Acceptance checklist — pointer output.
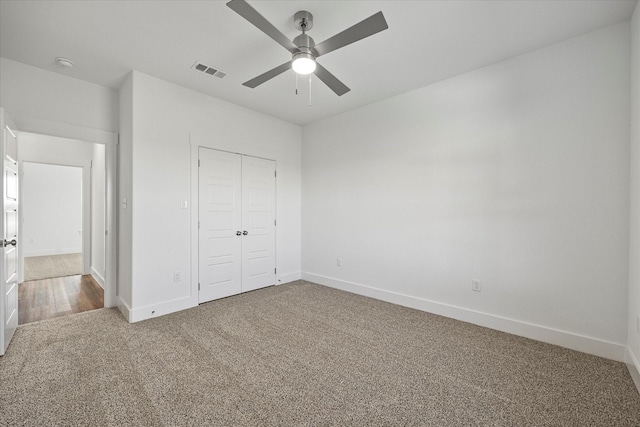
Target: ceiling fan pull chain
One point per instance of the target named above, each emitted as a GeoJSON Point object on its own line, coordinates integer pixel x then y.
{"type": "Point", "coordinates": [296, 83]}
{"type": "Point", "coordinates": [309, 90]}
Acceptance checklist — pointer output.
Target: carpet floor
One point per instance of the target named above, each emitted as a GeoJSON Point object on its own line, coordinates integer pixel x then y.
{"type": "Point", "coordinates": [301, 355]}
{"type": "Point", "coordinates": [47, 267]}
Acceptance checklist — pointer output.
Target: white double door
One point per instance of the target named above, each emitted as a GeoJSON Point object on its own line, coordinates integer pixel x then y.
{"type": "Point", "coordinates": [236, 204]}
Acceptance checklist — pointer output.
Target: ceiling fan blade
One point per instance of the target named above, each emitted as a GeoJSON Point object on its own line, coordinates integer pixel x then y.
{"type": "Point", "coordinates": [330, 80]}
{"type": "Point", "coordinates": [243, 9]}
{"type": "Point", "coordinates": [368, 27]}
{"type": "Point", "coordinates": [268, 75]}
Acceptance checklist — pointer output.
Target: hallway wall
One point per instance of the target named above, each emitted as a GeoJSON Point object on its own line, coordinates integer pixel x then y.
{"type": "Point", "coordinates": [51, 209]}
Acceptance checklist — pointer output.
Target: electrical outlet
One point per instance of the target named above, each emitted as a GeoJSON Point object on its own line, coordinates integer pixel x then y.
{"type": "Point", "coordinates": [339, 262]}
{"type": "Point", "coordinates": [476, 286]}
{"type": "Point", "coordinates": [177, 276]}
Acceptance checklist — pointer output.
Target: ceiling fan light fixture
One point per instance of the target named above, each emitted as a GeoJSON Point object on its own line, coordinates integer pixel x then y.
{"type": "Point", "coordinates": [303, 63]}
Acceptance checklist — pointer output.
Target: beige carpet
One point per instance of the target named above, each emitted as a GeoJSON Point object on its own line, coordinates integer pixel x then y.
{"type": "Point", "coordinates": [301, 354]}
{"type": "Point", "coordinates": [46, 267]}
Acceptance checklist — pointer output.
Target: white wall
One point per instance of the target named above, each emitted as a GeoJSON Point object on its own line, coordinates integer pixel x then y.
{"type": "Point", "coordinates": [98, 210]}
{"type": "Point", "coordinates": [169, 123]}
{"type": "Point", "coordinates": [634, 255]}
{"type": "Point", "coordinates": [29, 93]}
{"type": "Point", "coordinates": [52, 209]}
{"type": "Point", "coordinates": [516, 175]}
{"type": "Point", "coordinates": [125, 168]}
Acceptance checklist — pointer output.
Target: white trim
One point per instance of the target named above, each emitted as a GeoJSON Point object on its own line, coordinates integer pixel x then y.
{"type": "Point", "coordinates": [155, 310]}
{"type": "Point", "coordinates": [288, 277]}
{"type": "Point", "coordinates": [633, 365]}
{"type": "Point", "coordinates": [97, 277]}
{"type": "Point", "coordinates": [65, 130]}
{"type": "Point", "coordinates": [195, 209]}
{"type": "Point", "coordinates": [585, 344]}
{"type": "Point", "coordinates": [111, 224]}
{"type": "Point", "coordinates": [124, 309]}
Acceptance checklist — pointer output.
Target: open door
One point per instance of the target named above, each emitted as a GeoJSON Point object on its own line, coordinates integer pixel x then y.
{"type": "Point", "coordinates": [8, 232]}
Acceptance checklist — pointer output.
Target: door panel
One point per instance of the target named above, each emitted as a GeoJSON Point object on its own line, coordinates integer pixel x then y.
{"type": "Point", "coordinates": [220, 261]}
{"type": "Point", "coordinates": [258, 219]}
{"type": "Point", "coordinates": [8, 233]}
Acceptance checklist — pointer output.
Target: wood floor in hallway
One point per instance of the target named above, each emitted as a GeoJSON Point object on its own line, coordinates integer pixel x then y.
{"type": "Point", "coordinates": [60, 296]}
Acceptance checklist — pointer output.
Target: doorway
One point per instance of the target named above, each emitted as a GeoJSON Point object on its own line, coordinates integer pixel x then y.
{"type": "Point", "coordinates": [62, 209]}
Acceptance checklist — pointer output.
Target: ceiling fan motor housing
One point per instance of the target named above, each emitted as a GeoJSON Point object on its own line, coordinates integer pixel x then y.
{"type": "Point", "coordinates": [303, 20]}
{"type": "Point", "coordinates": [303, 41]}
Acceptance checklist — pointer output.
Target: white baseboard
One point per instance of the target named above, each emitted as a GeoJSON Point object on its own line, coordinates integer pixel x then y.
{"type": "Point", "coordinates": [98, 278]}
{"type": "Point", "coordinates": [585, 344]}
{"type": "Point", "coordinates": [633, 364]}
{"type": "Point", "coordinates": [124, 309]}
{"type": "Point", "coordinates": [155, 310]}
{"type": "Point", "coordinates": [288, 278]}
{"type": "Point", "coordinates": [47, 252]}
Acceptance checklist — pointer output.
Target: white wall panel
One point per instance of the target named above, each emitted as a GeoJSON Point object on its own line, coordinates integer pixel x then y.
{"type": "Point", "coordinates": [516, 175]}
{"type": "Point", "coordinates": [52, 209]}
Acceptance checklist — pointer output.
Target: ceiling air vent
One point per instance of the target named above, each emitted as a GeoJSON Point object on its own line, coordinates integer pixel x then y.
{"type": "Point", "coordinates": [208, 70]}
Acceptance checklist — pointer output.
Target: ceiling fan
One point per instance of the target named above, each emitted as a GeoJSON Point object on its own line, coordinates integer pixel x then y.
{"type": "Point", "coordinates": [303, 49]}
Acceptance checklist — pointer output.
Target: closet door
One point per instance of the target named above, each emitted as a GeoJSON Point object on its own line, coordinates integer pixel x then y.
{"type": "Point", "coordinates": [220, 218]}
{"type": "Point", "coordinates": [236, 202]}
{"type": "Point", "coordinates": [258, 222]}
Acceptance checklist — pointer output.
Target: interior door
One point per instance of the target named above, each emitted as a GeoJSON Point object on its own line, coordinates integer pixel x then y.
{"type": "Point", "coordinates": [220, 236]}
{"type": "Point", "coordinates": [8, 232]}
{"type": "Point", "coordinates": [258, 222]}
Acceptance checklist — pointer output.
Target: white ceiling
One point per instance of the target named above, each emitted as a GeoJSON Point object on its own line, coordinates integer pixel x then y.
{"type": "Point", "coordinates": [427, 41]}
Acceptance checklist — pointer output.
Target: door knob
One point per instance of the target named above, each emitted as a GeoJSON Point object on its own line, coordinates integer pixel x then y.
{"type": "Point", "coordinates": [238, 233]}
{"type": "Point", "coordinates": [10, 242]}
{"type": "Point", "coordinates": [245, 232]}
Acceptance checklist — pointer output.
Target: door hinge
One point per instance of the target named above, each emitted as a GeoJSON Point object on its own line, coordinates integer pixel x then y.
{"type": "Point", "coordinates": [275, 270]}
{"type": "Point", "coordinates": [198, 286]}
{"type": "Point", "coordinates": [198, 162]}
{"type": "Point", "coordinates": [274, 222]}
{"type": "Point", "coordinates": [275, 174]}
{"type": "Point", "coordinates": [106, 232]}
